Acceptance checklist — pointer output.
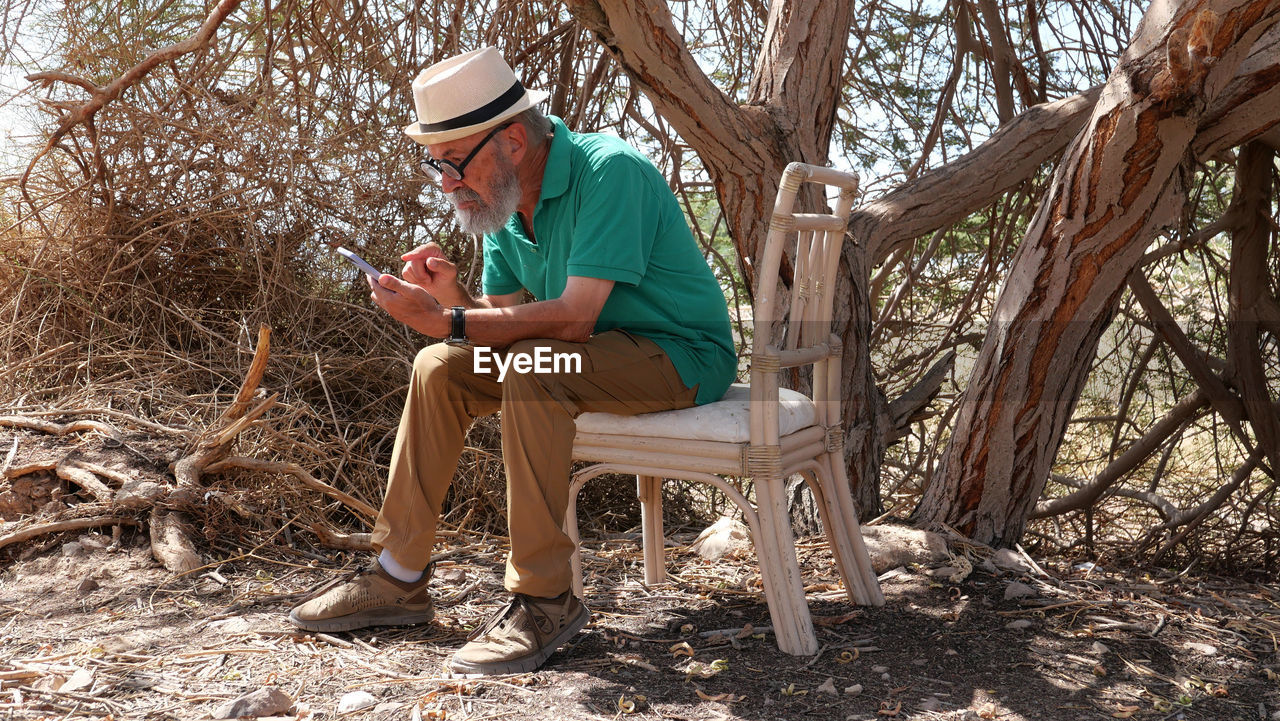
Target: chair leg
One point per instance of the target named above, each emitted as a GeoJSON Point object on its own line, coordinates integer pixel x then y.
{"type": "Point", "coordinates": [649, 489]}
{"type": "Point", "coordinates": [571, 528]}
{"type": "Point", "coordinates": [820, 487]}
{"type": "Point", "coordinates": [845, 535]}
{"type": "Point", "coordinates": [784, 590]}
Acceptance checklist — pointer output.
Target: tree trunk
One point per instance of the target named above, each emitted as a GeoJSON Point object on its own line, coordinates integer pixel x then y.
{"type": "Point", "coordinates": [1249, 293]}
{"type": "Point", "coordinates": [1118, 183]}
{"type": "Point", "coordinates": [789, 116]}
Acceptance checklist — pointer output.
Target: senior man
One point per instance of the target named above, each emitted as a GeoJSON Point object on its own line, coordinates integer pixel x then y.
{"type": "Point", "coordinates": [588, 227]}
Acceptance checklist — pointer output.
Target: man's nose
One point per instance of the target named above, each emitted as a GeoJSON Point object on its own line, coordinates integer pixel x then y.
{"type": "Point", "coordinates": [448, 183]}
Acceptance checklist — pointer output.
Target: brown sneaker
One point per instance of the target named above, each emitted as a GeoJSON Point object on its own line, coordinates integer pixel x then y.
{"type": "Point", "coordinates": [368, 597]}
{"type": "Point", "coordinates": [521, 636]}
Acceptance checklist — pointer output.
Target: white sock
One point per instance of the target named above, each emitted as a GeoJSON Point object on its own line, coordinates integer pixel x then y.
{"type": "Point", "coordinates": [397, 571]}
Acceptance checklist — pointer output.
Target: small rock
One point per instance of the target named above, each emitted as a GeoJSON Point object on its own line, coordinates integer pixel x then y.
{"type": "Point", "coordinates": [892, 546]}
{"type": "Point", "coordinates": [828, 686]}
{"type": "Point", "coordinates": [884, 677]}
{"type": "Point", "coordinates": [88, 585]}
{"type": "Point", "coordinates": [267, 701]}
{"type": "Point", "coordinates": [79, 681]}
{"type": "Point", "coordinates": [52, 682]}
{"type": "Point", "coordinates": [116, 645]}
{"type": "Point", "coordinates": [988, 567]}
{"type": "Point", "coordinates": [230, 626]}
{"type": "Point", "coordinates": [71, 549]}
{"type": "Point", "coordinates": [929, 703]}
{"type": "Point", "coordinates": [137, 493]}
{"type": "Point", "coordinates": [355, 701]}
{"type": "Point", "coordinates": [1018, 625]}
{"type": "Point", "coordinates": [853, 690]}
{"type": "Point", "coordinates": [879, 669]}
{"type": "Point", "coordinates": [1017, 589]}
{"type": "Point", "coordinates": [1201, 648]}
{"type": "Point", "coordinates": [93, 541]}
{"type": "Point", "coordinates": [450, 574]}
{"type": "Point", "coordinates": [1010, 561]}
{"type": "Point", "coordinates": [892, 573]}
{"type": "Point", "coordinates": [1099, 648]}
{"type": "Point", "coordinates": [726, 537]}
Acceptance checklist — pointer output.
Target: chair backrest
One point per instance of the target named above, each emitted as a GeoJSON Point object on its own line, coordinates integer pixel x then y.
{"type": "Point", "coordinates": [817, 238]}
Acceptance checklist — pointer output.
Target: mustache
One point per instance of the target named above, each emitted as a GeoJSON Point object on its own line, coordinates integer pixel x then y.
{"type": "Point", "coordinates": [463, 194]}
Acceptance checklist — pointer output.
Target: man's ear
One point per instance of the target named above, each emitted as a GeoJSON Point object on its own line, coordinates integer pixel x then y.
{"type": "Point", "coordinates": [517, 141]}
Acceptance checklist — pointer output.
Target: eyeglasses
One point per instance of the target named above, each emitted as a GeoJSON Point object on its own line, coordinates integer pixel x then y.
{"type": "Point", "coordinates": [435, 170]}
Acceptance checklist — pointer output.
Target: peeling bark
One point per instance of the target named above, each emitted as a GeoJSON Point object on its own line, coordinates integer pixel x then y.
{"type": "Point", "coordinates": [1118, 183]}
{"type": "Point", "coordinates": [792, 96]}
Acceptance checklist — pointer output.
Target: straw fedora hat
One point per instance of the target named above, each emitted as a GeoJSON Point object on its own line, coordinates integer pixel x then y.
{"type": "Point", "coordinates": [466, 94]}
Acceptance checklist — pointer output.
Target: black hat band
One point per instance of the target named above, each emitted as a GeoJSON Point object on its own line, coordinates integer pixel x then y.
{"type": "Point", "coordinates": [488, 111]}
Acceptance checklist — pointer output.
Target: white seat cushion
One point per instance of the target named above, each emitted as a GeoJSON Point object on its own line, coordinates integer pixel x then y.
{"type": "Point", "coordinates": [724, 420]}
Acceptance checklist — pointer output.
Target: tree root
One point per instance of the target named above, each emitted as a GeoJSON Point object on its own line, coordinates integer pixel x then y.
{"type": "Point", "coordinates": [62, 429]}
{"type": "Point", "coordinates": [71, 524]}
{"type": "Point", "coordinates": [170, 544]}
{"type": "Point", "coordinates": [342, 541]}
{"type": "Point", "coordinates": [207, 452]}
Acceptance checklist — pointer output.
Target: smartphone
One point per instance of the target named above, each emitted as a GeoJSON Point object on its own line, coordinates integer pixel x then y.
{"type": "Point", "coordinates": [360, 263]}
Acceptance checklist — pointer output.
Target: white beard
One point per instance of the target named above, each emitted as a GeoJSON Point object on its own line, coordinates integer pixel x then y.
{"type": "Point", "coordinates": [483, 217]}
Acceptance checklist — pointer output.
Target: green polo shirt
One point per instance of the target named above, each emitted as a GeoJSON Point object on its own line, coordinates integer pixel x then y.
{"type": "Point", "coordinates": [606, 212]}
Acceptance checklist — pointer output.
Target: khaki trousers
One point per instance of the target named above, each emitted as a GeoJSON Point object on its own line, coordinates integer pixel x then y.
{"type": "Point", "coordinates": [620, 373]}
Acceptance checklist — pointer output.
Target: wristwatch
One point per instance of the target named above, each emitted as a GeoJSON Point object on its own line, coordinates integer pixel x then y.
{"type": "Point", "coordinates": [457, 326]}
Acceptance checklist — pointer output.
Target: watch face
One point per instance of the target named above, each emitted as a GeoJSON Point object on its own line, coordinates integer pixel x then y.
{"type": "Point", "coordinates": [457, 325]}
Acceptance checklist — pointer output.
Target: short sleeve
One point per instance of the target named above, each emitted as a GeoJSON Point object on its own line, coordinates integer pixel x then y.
{"type": "Point", "coordinates": [497, 278]}
{"type": "Point", "coordinates": [617, 219]}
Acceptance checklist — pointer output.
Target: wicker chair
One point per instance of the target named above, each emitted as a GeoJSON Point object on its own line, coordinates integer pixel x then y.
{"type": "Point", "coordinates": [759, 430]}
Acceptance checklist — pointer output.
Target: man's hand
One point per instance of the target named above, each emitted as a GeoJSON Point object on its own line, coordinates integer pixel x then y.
{"type": "Point", "coordinates": [427, 268]}
{"type": "Point", "coordinates": [410, 304]}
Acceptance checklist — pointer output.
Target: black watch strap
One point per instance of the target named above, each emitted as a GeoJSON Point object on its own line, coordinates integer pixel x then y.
{"type": "Point", "coordinates": [457, 326]}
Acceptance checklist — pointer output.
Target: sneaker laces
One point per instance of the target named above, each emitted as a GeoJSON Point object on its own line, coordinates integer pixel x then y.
{"type": "Point", "coordinates": [519, 602]}
{"type": "Point", "coordinates": [336, 582]}
{"type": "Point", "coordinates": [370, 568]}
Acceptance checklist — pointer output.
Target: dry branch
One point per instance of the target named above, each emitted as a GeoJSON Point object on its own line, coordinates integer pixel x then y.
{"type": "Point", "coordinates": [99, 97]}
{"type": "Point", "coordinates": [1246, 108]}
{"type": "Point", "coordinates": [1191, 518]}
{"type": "Point", "coordinates": [1126, 462]}
{"type": "Point", "coordinates": [73, 524]}
{"type": "Point", "coordinates": [342, 541]}
{"type": "Point", "coordinates": [912, 404]}
{"type": "Point", "coordinates": [1224, 400]}
{"type": "Point", "coordinates": [215, 443]}
{"type": "Point", "coordinates": [61, 429]}
{"type": "Point", "coordinates": [293, 469]}
{"type": "Point", "coordinates": [1249, 289]}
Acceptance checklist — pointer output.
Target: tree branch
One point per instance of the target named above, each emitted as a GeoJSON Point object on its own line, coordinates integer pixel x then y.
{"type": "Point", "coordinates": [1135, 454]}
{"type": "Point", "coordinates": [101, 96]}
{"type": "Point", "coordinates": [1248, 107]}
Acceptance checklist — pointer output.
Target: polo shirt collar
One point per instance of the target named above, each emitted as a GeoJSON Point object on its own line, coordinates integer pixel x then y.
{"type": "Point", "coordinates": [555, 177]}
